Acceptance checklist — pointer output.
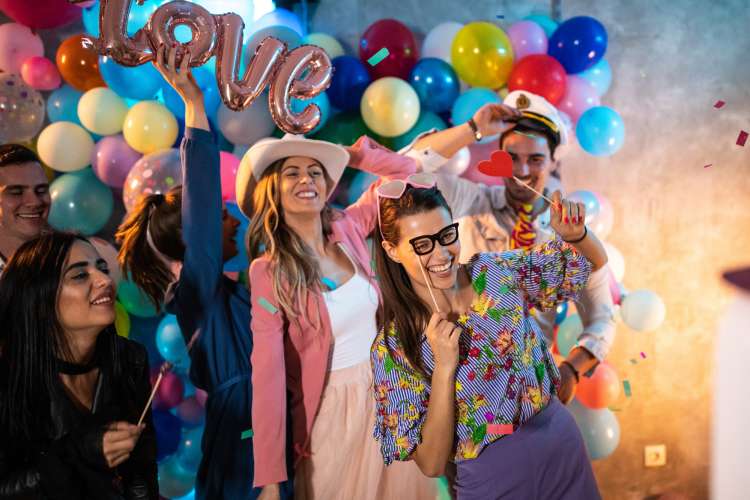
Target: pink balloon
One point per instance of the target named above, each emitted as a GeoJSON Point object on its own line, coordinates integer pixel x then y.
{"type": "Point", "coordinates": [42, 14]}
{"type": "Point", "coordinates": [229, 166]}
{"type": "Point", "coordinates": [580, 95]}
{"type": "Point", "coordinates": [481, 152]}
{"type": "Point", "coordinates": [40, 73]}
{"type": "Point", "coordinates": [527, 38]}
{"type": "Point", "coordinates": [113, 159]}
{"type": "Point", "coordinates": [170, 391]}
{"type": "Point", "coordinates": [614, 288]}
{"type": "Point", "coordinates": [17, 44]}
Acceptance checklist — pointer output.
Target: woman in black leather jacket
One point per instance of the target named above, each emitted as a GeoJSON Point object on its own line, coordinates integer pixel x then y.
{"type": "Point", "coordinates": [71, 390]}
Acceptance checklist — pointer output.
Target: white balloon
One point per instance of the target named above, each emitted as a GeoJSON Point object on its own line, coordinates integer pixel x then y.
{"type": "Point", "coordinates": [249, 125]}
{"type": "Point", "coordinates": [458, 164]}
{"type": "Point", "coordinates": [616, 261]}
{"type": "Point", "coordinates": [643, 310]}
{"type": "Point", "coordinates": [325, 41]}
{"type": "Point", "coordinates": [438, 41]}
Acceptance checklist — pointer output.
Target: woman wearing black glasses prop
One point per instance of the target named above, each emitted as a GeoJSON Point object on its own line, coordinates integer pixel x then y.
{"type": "Point", "coordinates": [461, 339]}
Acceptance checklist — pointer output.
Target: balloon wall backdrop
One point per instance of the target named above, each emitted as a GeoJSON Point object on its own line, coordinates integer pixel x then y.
{"type": "Point", "coordinates": [111, 130]}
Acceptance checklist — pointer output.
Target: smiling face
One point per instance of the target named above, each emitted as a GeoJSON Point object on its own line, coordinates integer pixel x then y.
{"type": "Point", "coordinates": [86, 297]}
{"type": "Point", "coordinates": [24, 200]}
{"type": "Point", "coordinates": [532, 164]}
{"type": "Point", "coordinates": [441, 264]}
{"type": "Point", "coordinates": [303, 186]}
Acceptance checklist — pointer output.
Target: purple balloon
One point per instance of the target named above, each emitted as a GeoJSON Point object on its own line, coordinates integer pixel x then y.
{"type": "Point", "coordinates": [191, 412]}
{"type": "Point", "coordinates": [527, 38]}
{"type": "Point", "coordinates": [170, 391]}
{"type": "Point", "coordinates": [112, 160]}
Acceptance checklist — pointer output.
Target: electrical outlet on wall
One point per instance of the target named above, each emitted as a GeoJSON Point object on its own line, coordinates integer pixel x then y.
{"type": "Point", "coordinates": [655, 455]}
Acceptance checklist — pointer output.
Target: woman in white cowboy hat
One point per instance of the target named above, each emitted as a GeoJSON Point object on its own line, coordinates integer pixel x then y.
{"type": "Point", "coordinates": [314, 301]}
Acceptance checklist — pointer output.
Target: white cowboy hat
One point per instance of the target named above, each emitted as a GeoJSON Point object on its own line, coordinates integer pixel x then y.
{"type": "Point", "coordinates": [265, 152]}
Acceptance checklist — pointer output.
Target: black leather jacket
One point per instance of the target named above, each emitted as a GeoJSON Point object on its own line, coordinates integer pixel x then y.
{"type": "Point", "coordinates": [67, 462]}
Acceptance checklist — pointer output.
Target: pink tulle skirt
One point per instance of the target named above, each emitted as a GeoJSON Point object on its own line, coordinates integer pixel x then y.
{"type": "Point", "coordinates": [346, 462]}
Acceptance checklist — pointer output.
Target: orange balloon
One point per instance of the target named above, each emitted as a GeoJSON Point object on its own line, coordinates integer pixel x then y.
{"type": "Point", "coordinates": [78, 62]}
{"type": "Point", "coordinates": [601, 389]}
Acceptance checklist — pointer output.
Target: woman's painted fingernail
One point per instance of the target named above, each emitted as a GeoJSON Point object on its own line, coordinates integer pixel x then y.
{"type": "Point", "coordinates": [566, 220]}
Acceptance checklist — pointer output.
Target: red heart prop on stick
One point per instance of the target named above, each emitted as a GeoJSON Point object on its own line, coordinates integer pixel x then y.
{"type": "Point", "coordinates": [500, 164]}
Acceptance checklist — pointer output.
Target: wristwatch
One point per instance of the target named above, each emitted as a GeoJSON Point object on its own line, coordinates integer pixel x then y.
{"type": "Point", "coordinates": [475, 129]}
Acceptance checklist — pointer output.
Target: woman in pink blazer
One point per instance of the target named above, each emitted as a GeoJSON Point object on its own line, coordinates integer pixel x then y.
{"type": "Point", "coordinates": [314, 302]}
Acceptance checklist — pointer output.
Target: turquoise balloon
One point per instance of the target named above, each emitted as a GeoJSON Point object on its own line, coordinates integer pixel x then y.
{"type": "Point", "coordinates": [298, 105]}
{"type": "Point", "coordinates": [137, 19]}
{"type": "Point", "coordinates": [62, 105]}
{"type": "Point", "coordinates": [427, 121]}
{"type": "Point", "coordinates": [469, 102]}
{"type": "Point", "coordinates": [600, 429]}
{"type": "Point", "coordinates": [80, 202]}
{"type": "Point", "coordinates": [189, 453]}
{"type": "Point", "coordinates": [562, 312]}
{"type": "Point", "coordinates": [600, 131]}
{"type": "Point", "coordinates": [134, 300]}
{"type": "Point", "coordinates": [169, 340]}
{"type": "Point", "coordinates": [121, 79]}
{"type": "Point", "coordinates": [599, 75]}
{"type": "Point", "coordinates": [358, 185]}
{"type": "Point", "coordinates": [567, 334]}
{"type": "Point", "coordinates": [547, 23]}
{"type": "Point", "coordinates": [174, 480]}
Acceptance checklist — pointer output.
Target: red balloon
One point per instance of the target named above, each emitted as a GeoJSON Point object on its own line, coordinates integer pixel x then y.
{"type": "Point", "coordinates": [601, 389]}
{"type": "Point", "coordinates": [400, 43]}
{"type": "Point", "coordinates": [539, 74]}
{"type": "Point", "coordinates": [42, 14]}
{"type": "Point", "coordinates": [170, 391]}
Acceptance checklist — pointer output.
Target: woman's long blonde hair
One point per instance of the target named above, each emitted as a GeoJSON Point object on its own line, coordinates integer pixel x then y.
{"type": "Point", "coordinates": [295, 268]}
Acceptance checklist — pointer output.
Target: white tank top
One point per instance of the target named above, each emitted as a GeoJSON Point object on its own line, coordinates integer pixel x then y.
{"type": "Point", "coordinates": [352, 308]}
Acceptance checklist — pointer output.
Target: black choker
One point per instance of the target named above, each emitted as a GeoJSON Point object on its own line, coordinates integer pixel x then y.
{"type": "Point", "coordinates": [75, 369]}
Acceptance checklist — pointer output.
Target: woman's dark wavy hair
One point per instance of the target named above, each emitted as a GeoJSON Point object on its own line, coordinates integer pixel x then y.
{"type": "Point", "coordinates": [32, 338]}
{"type": "Point", "coordinates": [401, 306]}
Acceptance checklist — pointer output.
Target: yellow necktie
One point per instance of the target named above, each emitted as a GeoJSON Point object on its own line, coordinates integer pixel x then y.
{"type": "Point", "coordinates": [523, 234]}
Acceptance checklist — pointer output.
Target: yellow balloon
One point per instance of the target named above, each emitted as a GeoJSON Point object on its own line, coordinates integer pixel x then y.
{"type": "Point", "coordinates": [482, 55]}
{"type": "Point", "coordinates": [102, 111]}
{"type": "Point", "coordinates": [390, 106]}
{"type": "Point", "coordinates": [149, 126]}
{"type": "Point", "coordinates": [326, 42]}
{"type": "Point", "coordinates": [65, 146]}
{"type": "Point", "coordinates": [122, 321]}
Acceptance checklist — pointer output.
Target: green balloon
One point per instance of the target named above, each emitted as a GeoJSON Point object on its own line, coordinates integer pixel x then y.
{"type": "Point", "coordinates": [134, 300]}
{"type": "Point", "coordinates": [567, 334]}
{"type": "Point", "coordinates": [345, 128]}
{"type": "Point", "coordinates": [427, 121]}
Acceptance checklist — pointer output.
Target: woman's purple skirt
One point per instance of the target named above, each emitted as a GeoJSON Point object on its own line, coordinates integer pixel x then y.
{"type": "Point", "coordinates": [545, 459]}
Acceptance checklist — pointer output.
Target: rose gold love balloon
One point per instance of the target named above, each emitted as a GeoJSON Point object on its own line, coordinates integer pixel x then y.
{"type": "Point", "coordinates": [200, 21]}
{"type": "Point", "coordinates": [114, 40]}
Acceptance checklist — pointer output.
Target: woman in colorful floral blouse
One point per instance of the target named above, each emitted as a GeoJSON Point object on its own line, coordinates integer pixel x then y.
{"type": "Point", "coordinates": [461, 339]}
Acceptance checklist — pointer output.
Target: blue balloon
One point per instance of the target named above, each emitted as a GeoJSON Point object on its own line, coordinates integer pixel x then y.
{"type": "Point", "coordinates": [578, 43]}
{"type": "Point", "coordinates": [469, 102]}
{"type": "Point", "coordinates": [207, 83]}
{"type": "Point", "coordinates": [427, 121]}
{"type": "Point", "coordinates": [547, 23]}
{"type": "Point", "coordinates": [168, 431]}
{"type": "Point", "coordinates": [600, 131]}
{"type": "Point", "coordinates": [600, 429]}
{"type": "Point", "coordinates": [169, 340]}
{"type": "Point", "coordinates": [562, 312]}
{"type": "Point", "coordinates": [298, 105]}
{"type": "Point", "coordinates": [436, 84]}
{"type": "Point", "coordinates": [239, 262]}
{"type": "Point", "coordinates": [599, 75]}
{"type": "Point", "coordinates": [139, 82]}
{"type": "Point", "coordinates": [80, 202]}
{"type": "Point", "coordinates": [189, 453]}
{"type": "Point", "coordinates": [137, 19]}
{"type": "Point", "coordinates": [62, 105]}
{"type": "Point", "coordinates": [350, 80]}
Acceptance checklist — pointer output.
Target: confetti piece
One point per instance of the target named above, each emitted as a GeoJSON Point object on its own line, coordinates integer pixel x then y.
{"type": "Point", "coordinates": [267, 305]}
{"type": "Point", "coordinates": [643, 355]}
{"type": "Point", "coordinates": [742, 138]}
{"type": "Point", "coordinates": [626, 386]}
{"type": "Point", "coordinates": [633, 362]}
{"type": "Point", "coordinates": [719, 104]}
{"type": "Point", "coordinates": [378, 56]}
{"type": "Point", "coordinates": [499, 428]}
{"type": "Point", "coordinates": [329, 283]}
{"type": "Point", "coordinates": [614, 409]}
{"type": "Point", "coordinates": [500, 16]}
{"type": "Point", "coordinates": [706, 166]}
{"type": "Point", "coordinates": [247, 434]}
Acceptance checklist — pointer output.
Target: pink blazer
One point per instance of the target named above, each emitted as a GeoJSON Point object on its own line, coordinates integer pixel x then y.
{"type": "Point", "coordinates": [294, 355]}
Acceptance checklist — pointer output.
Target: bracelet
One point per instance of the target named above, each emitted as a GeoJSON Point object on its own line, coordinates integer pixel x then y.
{"type": "Point", "coordinates": [573, 369]}
{"type": "Point", "coordinates": [474, 129]}
{"type": "Point", "coordinates": [585, 233]}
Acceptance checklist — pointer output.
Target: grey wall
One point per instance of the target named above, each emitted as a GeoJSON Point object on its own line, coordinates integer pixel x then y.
{"type": "Point", "coordinates": [677, 223]}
